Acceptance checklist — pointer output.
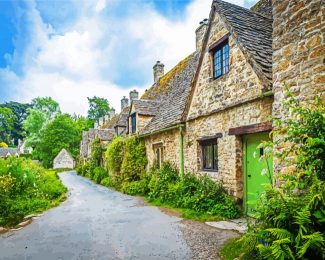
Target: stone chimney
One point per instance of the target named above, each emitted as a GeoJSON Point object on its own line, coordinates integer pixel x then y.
{"type": "Point", "coordinates": [158, 71]}
{"type": "Point", "coordinates": [111, 113]}
{"type": "Point", "coordinates": [124, 103]}
{"type": "Point", "coordinates": [200, 32]}
{"type": "Point", "coordinates": [134, 95]}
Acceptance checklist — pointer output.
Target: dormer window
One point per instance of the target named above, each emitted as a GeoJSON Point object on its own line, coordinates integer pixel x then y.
{"type": "Point", "coordinates": [220, 54]}
{"type": "Point", "coordinates": [133, 123]}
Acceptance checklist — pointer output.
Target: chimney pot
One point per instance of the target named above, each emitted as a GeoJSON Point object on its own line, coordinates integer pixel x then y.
{"type": "Point", "coordinates": [158, 71]}
{"type": "Point", "coordinates": [134, 95]}
{"type": "Point", "coordinates": [124, 103]}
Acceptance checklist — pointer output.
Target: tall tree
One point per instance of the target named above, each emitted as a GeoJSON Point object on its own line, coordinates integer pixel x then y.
{"type": "Point", "coordinates": [98, 107]}
{"type": "Point", "coordinates": [20, 110]}
{"type": "Point", "coordinates": [42, 112]}
{"type": "Point", "coordinates": [48, 105]}
{"type": "Point", "coordinates": [7, 119]}
{"type": "Point", "coordinates": [62, 132]}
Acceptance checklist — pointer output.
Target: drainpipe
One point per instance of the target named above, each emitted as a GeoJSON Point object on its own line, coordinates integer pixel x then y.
{"type": "Point", "coordinates": [181, 154]}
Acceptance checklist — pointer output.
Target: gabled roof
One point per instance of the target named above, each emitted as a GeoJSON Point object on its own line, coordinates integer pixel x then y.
{"type": "Point", "coordinates": [146, 107]}
{"type": "Point", "coordinates": [63, 152]}
{"type": "Point", "coordinates": [172, 92]}
{"type": "Point", "coordinates": [122, 119]}
{"type": "Point", "coordinates": [253, 33]}
{"type": "Point", "coordinates": [4, 152]}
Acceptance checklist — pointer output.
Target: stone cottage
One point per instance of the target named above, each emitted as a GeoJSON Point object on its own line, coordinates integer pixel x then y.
{"type": "Point", "coordinates": [6, 152]}
{"type": "Point", "coordinates": [157, 116]}
{"type": "Point", "coordinates": [63, 160]}
{"type": "Point", "coordinates": [210, 113]}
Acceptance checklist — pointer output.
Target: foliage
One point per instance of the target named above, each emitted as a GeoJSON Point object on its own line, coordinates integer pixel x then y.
{"type": "Point", "coordinates": [3, 145]}
{"type": "Point", "coordinates": [60, 133]}
{"type": "Point", "coordinates": [20, 110]}
{"type": "Point", "coordinates": [7, 120]}
{"type": "Point", "coordinates": [98, 107]}
{"type": "Point", "coordinates": [42, 112]}
{"type": "Point", "coordinates": [96, 153]}
{"type": "Point", "coordinates": [26, 188]}
{"type": "Point", "coordinates": [305, 131]}
{"type": "Point", "coordinates": [114, 155]}
{"type": "Point", "coordinates": [47, 105]}
{"type": "Point", "coordinates": [291, 218]}
{"type": "Point", "coordinates": [234, 248]}
{"type": "Point", "coordinates": [33, 125]}
{"type": "Point", "coordinates": [198, 193]}
{"type": "Point", "coordinates": [135, 160]}
{"type": "Point", "coordinates": [99, 174]}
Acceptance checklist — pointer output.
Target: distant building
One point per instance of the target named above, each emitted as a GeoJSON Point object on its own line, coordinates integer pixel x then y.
{"type": "Point", "coordinates": [63, 160]}
{"type": "Point", "coordinates": [6, 152]}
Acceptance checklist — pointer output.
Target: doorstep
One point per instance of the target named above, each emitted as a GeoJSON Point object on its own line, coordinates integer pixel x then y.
{"type": "Point", "coordinates": [239, 225]}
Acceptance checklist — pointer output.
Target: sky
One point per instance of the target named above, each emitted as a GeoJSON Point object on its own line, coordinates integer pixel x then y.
{"type": "Point", "coordinates": [74, 49]}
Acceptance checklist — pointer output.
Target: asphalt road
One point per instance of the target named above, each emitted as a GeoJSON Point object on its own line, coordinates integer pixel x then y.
{"type": "Point", "coordinates": [97, 223]}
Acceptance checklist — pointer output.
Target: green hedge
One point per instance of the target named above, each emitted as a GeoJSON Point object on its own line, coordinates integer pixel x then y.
{"type": "Point", "coordinates": [26, 188]}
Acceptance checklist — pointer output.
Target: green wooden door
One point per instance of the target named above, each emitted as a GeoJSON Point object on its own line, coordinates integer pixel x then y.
{"type": "Point", "coordinates": [254, 174]}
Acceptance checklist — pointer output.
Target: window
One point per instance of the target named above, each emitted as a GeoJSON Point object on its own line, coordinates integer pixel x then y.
{"type": "Point", "coordinates": [134, 122]}
{"type": "Point", "coordinates": [159, 154]}
{"type": "Point", "coordinates": [220, 59]}
{"type": "Point", "coordinates": [210, 156]}
{"type": "Point", "coordinates": [209, 150]}
{"type": "Point", "coordinates": [116, 130]}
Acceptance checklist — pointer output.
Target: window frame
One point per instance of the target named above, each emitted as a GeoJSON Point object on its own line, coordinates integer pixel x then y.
{"type": "Point", "coordinates": [133, 116]}
{"type": "Point", "coordinates": [213, 142]}
{"type": "Point", "coordinates": [159, 152]}
{"type": "Point", "coordinates": [214, 49]}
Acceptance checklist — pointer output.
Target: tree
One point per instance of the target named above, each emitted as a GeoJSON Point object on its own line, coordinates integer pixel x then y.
{"type": "Point", "coordinates": [20, 110]}
{"type": "Point", "coordinates": [98, 107]}
{"type": "Point", "coordinates": [62, 132]}
{"type": "Point", "coordinates": [7, 119]}
{"type": "Point", "coordinates": [3, 145]}
{"type": "Point", "coordinates": [46, 104]}
{"type": "Point", "coordinates": [42, 112]}
{"type": "Point", "coordinates": [33, 125]}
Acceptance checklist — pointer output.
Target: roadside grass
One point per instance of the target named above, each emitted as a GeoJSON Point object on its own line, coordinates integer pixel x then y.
{"type": "Point", "coordinates": [235, 249]}
{"type": "Point", "coordinates": [184, 213]}
{"type": "Point", "coordinates": [25, 189]}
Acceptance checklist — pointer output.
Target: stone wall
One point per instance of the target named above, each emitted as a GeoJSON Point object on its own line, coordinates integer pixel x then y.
{"type": "Point", "coordinates": [299, 52]}
{"type": "Point", "coordinates": [232, 100]}
{"type": "Point", "coordinates": [229, 146]}
{"type": "Point", "coordinates": [170, 142]}
{"type": "Point", "coordinates": [239, 85]}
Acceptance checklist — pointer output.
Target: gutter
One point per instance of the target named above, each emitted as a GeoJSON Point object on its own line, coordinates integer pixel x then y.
{"type": "Point", "coordinates": [162, 130]}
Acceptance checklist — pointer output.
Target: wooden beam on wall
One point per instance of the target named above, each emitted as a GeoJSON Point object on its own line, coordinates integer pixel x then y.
{"type": "Point", "coordinates": [251, 129]}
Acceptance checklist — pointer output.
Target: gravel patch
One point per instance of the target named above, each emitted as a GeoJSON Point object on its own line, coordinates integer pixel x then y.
{"type": "Point", "coordinates": [205, 241]}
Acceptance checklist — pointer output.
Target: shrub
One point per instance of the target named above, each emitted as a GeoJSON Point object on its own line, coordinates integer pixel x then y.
{"type": "Point", "coordinates": [99, 174]}
{"type": "Point", "coordinates": [198, 193]}
{"type": "Point", "coordinates": [134, 160]}
{"type": "Point", "coordinates": [136, 187]}
{"type": "Point", "coordinates": [26, 188]}
{"type": "Point", "coordinates": [114, 155]}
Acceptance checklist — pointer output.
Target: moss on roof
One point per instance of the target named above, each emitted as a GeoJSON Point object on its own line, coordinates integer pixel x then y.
{"type": "Point", "coordinates": [163, 83]}
{"type": "Point", "coordinates": [111, 122]}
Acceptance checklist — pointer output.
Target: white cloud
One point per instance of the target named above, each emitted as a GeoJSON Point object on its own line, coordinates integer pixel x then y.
{"type": "Point", "coordinates": [84, 59]}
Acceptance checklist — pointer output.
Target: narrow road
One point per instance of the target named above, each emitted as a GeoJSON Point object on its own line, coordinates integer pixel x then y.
{"type": "Point", "coordinates": [99, 223]}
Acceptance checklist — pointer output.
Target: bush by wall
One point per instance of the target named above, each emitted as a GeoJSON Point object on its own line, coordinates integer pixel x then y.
{"type": "Point", "coordinates": [114, 155]}
{"type": "Point", "coordinates": [135, 160]}
{"type": "Point", "coordinates": [291, 218]}
{"type": "Point", "coordinates": [26, 188]}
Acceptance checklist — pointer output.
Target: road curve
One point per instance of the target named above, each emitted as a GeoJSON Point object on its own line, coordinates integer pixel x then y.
{"type": "Point", "coordinates": [97, 223]}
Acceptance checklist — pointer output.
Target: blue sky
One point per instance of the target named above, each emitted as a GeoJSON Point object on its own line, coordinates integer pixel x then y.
{"type": "Point", "coordinates": [71, 49]}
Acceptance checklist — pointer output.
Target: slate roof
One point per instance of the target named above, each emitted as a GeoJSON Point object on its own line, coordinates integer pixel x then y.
{"type": "Point", "coordinates": [252, 32]}
{"type": "Point", "coordinates": [171, 93]}
{"type": "Point", "coordinates": [146, 107]}
{"type": "Point", "coordinates": [11, 151]}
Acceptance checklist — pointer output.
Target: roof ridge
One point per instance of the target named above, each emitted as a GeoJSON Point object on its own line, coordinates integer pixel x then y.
{"type": "Point", "coordinates": [241, 7]}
